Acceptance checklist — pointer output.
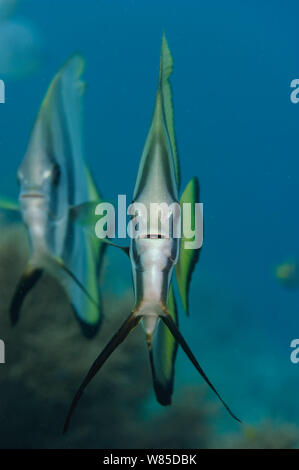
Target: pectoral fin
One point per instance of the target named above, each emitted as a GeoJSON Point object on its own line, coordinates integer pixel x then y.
{"type": "Point", "coordinates": [9, 204]}
{"type": "Point", "coordinates": [188, 257]}
{"type": "Point", "coordinates": [163, 349]}
{"type": "Point", "coordinates": [125, 249]}
{"type": "Point", "coordinates": [84, 214]}
{"type": "Point", "coordinates": [28, 280]}
{"type": "Point", "coordinates": [181, 341]}
{"type": "Point", "coordinates": [131, 322]}
{"type": "Point", "coordinates": [10, 210]}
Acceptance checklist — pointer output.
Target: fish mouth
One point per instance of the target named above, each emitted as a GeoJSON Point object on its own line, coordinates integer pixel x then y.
{"type": "Point", "coordinates": [33, 195]}
{"type": "Point", "coordinates": [153, 236]}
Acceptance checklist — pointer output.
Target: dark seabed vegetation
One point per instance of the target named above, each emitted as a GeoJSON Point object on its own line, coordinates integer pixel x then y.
{"type": "Point", "coordinates": [46, 359]}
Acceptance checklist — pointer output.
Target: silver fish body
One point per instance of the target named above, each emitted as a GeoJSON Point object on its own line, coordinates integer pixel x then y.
{"type": "Point", "coordinates": [155, 251]}
{"type": "Point", "coordinates": [152, 261]}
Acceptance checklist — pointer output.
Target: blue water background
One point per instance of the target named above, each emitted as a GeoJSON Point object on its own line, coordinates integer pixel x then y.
{"type": "Point", "coordinates": [237, 130]}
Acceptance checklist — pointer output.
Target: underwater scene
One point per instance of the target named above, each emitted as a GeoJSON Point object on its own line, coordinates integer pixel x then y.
{"type": "Point", "coordinates": [109, 108]}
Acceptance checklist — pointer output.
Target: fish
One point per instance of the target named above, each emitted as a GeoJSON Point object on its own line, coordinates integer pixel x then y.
{"type": "Point", "coordinates": [156, 254]}
{"type": "Point", "coordinates": [55, 183]}
{"type": "Point", "coordinates": [287, 274]}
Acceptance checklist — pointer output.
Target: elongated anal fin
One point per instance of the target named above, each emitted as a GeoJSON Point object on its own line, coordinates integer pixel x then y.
{"type": "Point", "coordinates": [162, 352]}
{"type": "Point", "coordinates": [131, 322]}
{"type": "Point", "coordinates": [181, 341]}
{"type": "Point", "coordinates": [84, 214]}
{"type": "Point", "coordinates": [9, 204]}
{"type": "Point", "coordinates": [188, 257]}
{"type": "Point", "coordinates": [28, 280]}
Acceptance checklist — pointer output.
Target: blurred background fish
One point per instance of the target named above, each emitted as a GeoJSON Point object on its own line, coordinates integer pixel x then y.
{"type": "Point", "coordinates": [54, 184]}
{"type": "Point", "coordinates": [287, 274]}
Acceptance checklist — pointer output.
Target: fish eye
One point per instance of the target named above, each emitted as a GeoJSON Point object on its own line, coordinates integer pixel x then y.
{"type": "Point", "coordinates": [56, 174]}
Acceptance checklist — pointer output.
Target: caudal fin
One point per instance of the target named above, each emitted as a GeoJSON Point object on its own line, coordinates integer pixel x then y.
{"type": "Point", "coordinates": [181, 341]}
{"type": "Point", "coordinates": [131, 322]}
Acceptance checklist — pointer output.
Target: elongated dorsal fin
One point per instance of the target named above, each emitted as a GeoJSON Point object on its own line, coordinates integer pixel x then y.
{"type": "Point", "coordinates": [166, 67]}
{"type": "Point", "coordinates": [68, 87]}
{"type": "Point", "coordinates": [158, 173]}
{"type": "Point", "coordinates": [56, 137]}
